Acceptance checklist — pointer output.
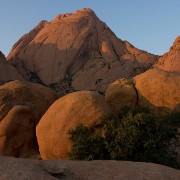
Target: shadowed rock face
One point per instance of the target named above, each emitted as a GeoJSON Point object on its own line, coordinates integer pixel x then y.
{"type": "Point", "coordinates": [171, 61]}
{"type": "Point", "coordinates": [7, 71]}
{"type": "Point", "coordinates": [78, 47]}
{"type": "Point", "coordinates": [11, 168]}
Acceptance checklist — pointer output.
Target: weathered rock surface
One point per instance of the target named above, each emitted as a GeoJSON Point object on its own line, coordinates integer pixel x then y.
{"type": "Point", "coordinates": [21, 169]}
{"type": "Point", "coordinates": [84, 107]}
{"type": "Point", "coordinates": [22, 104]}
{"type": "Point", "coordinates": [79, 51]}
{"type": "Point", "coordinates": [7, 71]}
{"type": "Point", "coordinates": [158, 89]}
{"type": "Point", "coordinates": [119, 94]}
{"type": "Point", "coordinates": [171, 61]}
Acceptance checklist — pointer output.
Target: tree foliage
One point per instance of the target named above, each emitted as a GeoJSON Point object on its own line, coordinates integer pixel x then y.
{"type": "Point", "coordinates": [135, 135]}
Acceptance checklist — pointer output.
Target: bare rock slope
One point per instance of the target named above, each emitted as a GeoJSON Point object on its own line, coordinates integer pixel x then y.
{"type": "Point", "coordinates": [79, 51]}
{"type": "Point", "coordinates": [7, 71]}
{"type": "Point", "coordinates": [170, 61]}
{"type": "Point", "coordinates": [21, 169]}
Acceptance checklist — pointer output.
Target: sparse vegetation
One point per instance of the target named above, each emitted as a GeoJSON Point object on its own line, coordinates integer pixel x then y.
{"type": "Point", "coordinates": [34, 78]}
{"type": "Point", "coordinates": [64, 86]}
{"type": "Point", "coordinates": [136, 135]}
{"type": "Point", "coordinates": [130, 82]}
{"type": "Point", "coordinates": [101, 92]}
{"type": "Point", "coordinates": [98, 81]}
{"type": "Point", "coordinates": [53, 86]}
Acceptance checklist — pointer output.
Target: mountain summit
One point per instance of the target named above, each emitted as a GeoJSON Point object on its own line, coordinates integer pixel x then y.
{"type": "Point", "coordinates": [79, 50]}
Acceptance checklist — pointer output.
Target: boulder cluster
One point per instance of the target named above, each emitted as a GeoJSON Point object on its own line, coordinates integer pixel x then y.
{"type": "Point", "coordinates": [22, 104]}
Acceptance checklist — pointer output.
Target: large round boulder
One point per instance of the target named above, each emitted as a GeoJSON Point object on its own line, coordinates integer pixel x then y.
{"type": "Point", "coordinates": [83, 107]}
{"type": "Point", "coordinates": [22, 104]}
{"type": "Point", "coordinates": [121, 93]}
{"type": "Point", "coordinates": [158, 90]}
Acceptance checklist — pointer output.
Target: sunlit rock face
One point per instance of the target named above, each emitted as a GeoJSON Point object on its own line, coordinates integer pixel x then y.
{"type": "Point", "coordinates": [78, 49]}
{"type": "Point", "coordinates": [171, 61]}
{"type": "Point", "coordinates": [7, 71]}
{"type": "Point", "coordinates": [83, 107]}
{"type": "Point", "coordinates": [158, 89]}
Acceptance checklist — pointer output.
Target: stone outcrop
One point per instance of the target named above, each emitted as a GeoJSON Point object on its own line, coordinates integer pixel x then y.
{"type": "Point", "coordinates": [83, 107]}
{"type": "Point", "coordinates": [79, 51]}
{"type": "Point", "coordinates": [170, 61]}
{"type": "Point", "coordinates": [22, 104]}
{"type": "Point", "coordinates": [7, 71]}
{"type": "Point", "coordinates": [11, 168]}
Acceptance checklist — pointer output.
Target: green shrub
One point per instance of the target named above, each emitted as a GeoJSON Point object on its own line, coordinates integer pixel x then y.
{"type": "Point", "coordinates": [135, 135]}
{"type": "Point", "coordinates": [86, 145]}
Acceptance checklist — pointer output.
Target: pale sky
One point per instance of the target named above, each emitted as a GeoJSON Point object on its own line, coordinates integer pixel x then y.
{"type": "Point", "coordinates": [150, 25]}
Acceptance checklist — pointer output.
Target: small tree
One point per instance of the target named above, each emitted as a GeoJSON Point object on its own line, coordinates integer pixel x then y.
{"type": "Point", "coordinates": [136, 135]}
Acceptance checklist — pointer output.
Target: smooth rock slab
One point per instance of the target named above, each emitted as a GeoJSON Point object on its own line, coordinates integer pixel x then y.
{"type": "Point", "coordinates": [23, 169]}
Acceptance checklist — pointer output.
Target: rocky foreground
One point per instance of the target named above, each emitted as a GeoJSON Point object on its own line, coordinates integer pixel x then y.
{"type": "Point", "coordinates": [21, 169]}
